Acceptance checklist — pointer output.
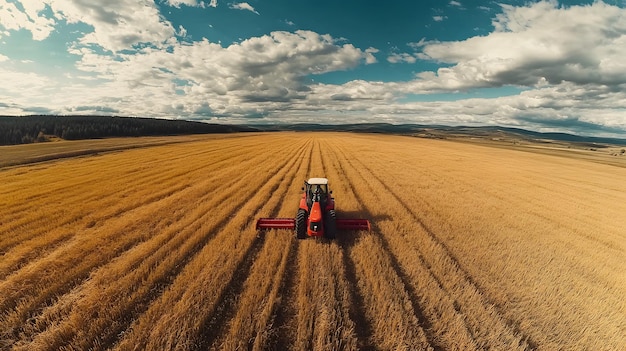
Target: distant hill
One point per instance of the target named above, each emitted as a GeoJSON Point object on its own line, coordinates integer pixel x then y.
{"type": "Point", "coordinates": [29, 129]}
{"type": "Point", "coordinates": [440, 131]}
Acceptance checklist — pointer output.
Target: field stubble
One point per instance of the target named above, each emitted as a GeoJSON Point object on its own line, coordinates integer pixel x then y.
{"type": "Point", "coordinates": [471, 247]}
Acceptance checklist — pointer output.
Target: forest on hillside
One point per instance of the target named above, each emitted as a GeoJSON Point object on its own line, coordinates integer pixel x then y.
{"type": "Point", "coordinates": [30, 129]}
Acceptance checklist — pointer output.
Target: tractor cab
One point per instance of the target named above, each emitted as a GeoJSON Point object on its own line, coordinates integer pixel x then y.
{"type": "Point", "coordinates": [316, 190]}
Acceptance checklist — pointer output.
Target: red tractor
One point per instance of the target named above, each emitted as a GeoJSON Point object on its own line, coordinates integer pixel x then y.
{"type": "Point", "coordinates": [316, 215]}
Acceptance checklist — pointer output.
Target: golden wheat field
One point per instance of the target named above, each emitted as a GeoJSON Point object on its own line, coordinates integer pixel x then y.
{"type": "Point", "coordinates": [155, 247]}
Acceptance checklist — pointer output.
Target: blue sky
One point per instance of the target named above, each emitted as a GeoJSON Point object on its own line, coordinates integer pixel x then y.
{"type": "Point", "coordinates": [541, 65]}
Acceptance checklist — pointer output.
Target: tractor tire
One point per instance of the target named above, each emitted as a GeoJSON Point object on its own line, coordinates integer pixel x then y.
{"type": "Point", "coordinates": [330, 230]}
{"type": "Point", "coordinates": [301, 224]}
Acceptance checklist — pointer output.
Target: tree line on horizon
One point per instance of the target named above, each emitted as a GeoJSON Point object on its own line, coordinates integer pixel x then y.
{"type": "Point", "coordinates": [39, 128]}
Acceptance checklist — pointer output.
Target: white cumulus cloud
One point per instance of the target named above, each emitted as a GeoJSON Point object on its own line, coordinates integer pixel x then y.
{"type": "Point", "coordinates": [191, 3]}
{"type": "Point", "coordinates": [542, 41]}
{"type": "Point", "coordinates": [401, 57]}
{"type": "Point", "coordinates": [256, 76]}
{"type": "Point", "coordinates": [243, 6]}
{"type": "Point", "coordinates": [118, 24]}
{"type": "Point", "coordinates": [12, 19]}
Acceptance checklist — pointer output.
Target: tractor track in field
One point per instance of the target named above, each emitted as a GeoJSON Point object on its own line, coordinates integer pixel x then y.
{"type": "Point", "coordinates": [227, 306]}
{"type": "Point", "coordinates": [44, 248]}
{"type": "Point", "coordinates": [541, 210]}
{"type": "Point", "coordinates": [316, 315]}
{"type": "Point", "coordinates": [425, 321]}
{"type": "Point", "coordinates": [481, 294]}
{"type": "Point", "coordinates": [366, 330]}
{"type": "Point", "coordinates": [225, 301]}
{"type": "Point", "coordinates": [69, 234]}
{"type": "Point", "coordinates": [514, 327]}
{"type": "Point", "coordinates": [156, 248]}
{"type": "Point", "coordinates": [358, 170]}
{"type": "Point", "coordinates": [161, 284]}
{"type": "Point", "coordinates": [282, 337]}
{"type": "Point", "coordinates": [147, 178]}
{"type": "Point", "coordinates": [363, 326]}
{"type": "Point", "coordinates": [150, 201]}
{"type": "Point", "coordinates": [286, 311]}
{"type": "Point", "coordinates": [217, 325]}
{"type": "Point", "coordinates": [90, 149]}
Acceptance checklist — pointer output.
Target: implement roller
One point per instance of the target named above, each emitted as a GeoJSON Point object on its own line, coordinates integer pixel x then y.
{"type": "Point", "coordinates": [316, 216]}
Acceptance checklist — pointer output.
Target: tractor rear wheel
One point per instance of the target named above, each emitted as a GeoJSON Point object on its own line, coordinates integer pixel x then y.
{"type": "Point", "coordinates": [301, 224]}
{"type": "Point", "coordinates": [330, 230]}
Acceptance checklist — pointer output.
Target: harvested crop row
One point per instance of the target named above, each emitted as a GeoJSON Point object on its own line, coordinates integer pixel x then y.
{"type": "Point", "coordinates": [125, 206]}
{"type": "Point", "coordinates": [201, 286]}
{"type": "Point", "coordinates": [471, 248]}
{"type": "Point", "coordinates": [30, 206]}
{"type": "Point", "coordinates": [56, 220]}
{"type": "Point", "coordinates": [147, 270]}
{"type": "Point", "coordinates": [526, 259]}
{"type": "Point", "coordinates": [160, 224]}
{"type": "Point", "coordinates": [251, 327]}
{"type": "Point", "coordinates": [125, 179]}
{"type": "Point", "coordinates": [322, 296]}
{"type": "Point", "coordinates": [481, 326]}
{"type": "Point", "coordinates": [391, 315]}
{"type": "Point", "coordinates": [285, 316]}
{"type": "Point", "coordinates": [562, 258]}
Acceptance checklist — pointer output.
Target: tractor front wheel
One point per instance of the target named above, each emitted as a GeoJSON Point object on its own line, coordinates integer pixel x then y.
{"type": "Point", "coordinates": [301, 224]}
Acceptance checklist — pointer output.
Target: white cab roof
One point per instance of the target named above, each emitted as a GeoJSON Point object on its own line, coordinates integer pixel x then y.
{"type": "Point", "coordinates": [317, 181]}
